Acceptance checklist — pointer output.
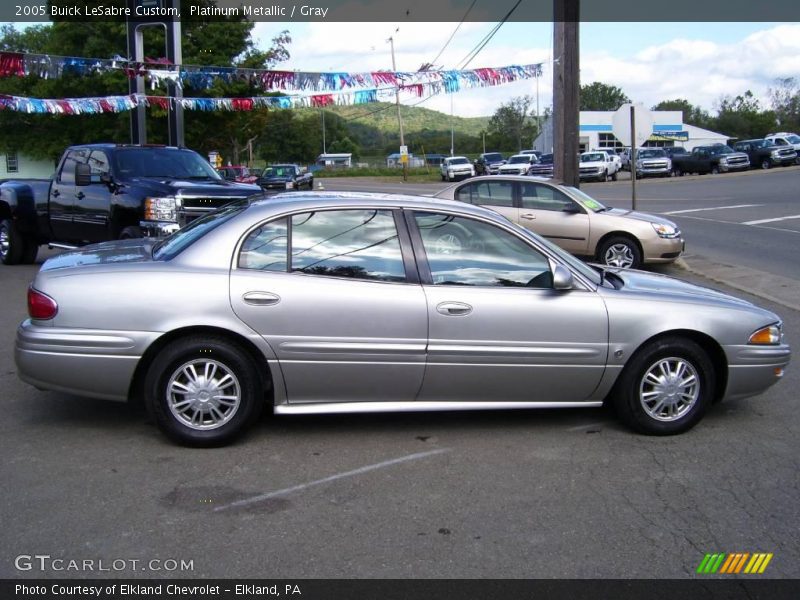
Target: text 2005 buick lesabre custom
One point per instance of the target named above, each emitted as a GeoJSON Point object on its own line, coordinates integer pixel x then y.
{"type": "Point", "coordinates": [324, 303]}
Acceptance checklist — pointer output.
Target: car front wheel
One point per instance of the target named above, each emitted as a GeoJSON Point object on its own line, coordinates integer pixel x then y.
{"type": "Point", "coordinates": [203, 391]}
{"type": "Point", "coordinates": [16, 247]}
{"type": "Point", "coordinates": [666, 388]}
{"type": "Point", "coordinates": [620, 252]}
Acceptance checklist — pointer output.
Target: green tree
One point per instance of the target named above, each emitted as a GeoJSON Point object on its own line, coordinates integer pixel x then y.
{"type": "Point", "coordinates": [785, 101]}
{"type": "Point", "coordinates": [742, 117]}
{"type": "Point", "coordinates": [693, 115]}
{"type": "Point", "coordinates": [601, 96]}
{"type": "Point", "coordinates": [512, 127]}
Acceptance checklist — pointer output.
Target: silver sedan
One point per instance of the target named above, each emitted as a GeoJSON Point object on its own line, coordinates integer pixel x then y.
{"type": "Point", "coordinates": [344, 302]}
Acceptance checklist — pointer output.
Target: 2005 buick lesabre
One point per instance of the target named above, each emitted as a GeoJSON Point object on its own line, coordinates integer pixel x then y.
{"type": "Point", "coordinates": [325, 302]}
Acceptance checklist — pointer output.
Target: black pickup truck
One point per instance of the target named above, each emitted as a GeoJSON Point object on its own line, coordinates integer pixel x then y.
{"type": "Point", "coordinates": [108, 191]}
{"type": "Point", "coordinates": [717, 158]}
{"type": "Point", "coordinates": [765, 155]}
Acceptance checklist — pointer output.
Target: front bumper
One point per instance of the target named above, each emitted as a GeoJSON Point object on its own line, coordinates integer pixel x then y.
{"type": "Point", "coordinates": [725, 168]}
{"type": "Point", "coordinates": [662, 250]}
{"type": "Point", "coordinates": [86, 362]}
{"type": "Point", "coordinates": [752, 369]}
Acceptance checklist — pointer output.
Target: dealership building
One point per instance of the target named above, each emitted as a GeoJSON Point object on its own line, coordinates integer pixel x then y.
{"type": "Point", "coordinates": [596, 132]}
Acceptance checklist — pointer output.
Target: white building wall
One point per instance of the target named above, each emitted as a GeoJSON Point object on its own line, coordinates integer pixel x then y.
{"type": "Point", "coordinates": [27, 167]}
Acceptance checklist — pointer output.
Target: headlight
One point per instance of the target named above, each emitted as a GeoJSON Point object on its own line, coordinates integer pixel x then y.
{"type": "Point", "coordinates": [160, 209]}
{"type": "Point", "coordinates": [770, 335]}
{"type": "Point", "coordinates": [639, 164]}
{"type": "Point", "coordinates": [775, 153]}
{"type": "Point", "coordinates": [666, 231]}
{"type": "Point", "coordinates": [723, 160]}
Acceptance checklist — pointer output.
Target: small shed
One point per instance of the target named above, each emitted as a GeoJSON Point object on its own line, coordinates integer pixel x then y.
{"type": "Point", "coordinates": [335, 161]}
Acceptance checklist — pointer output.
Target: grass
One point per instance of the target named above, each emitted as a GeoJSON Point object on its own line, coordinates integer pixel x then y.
{"type": "Point", "coordinates": [419, 175]}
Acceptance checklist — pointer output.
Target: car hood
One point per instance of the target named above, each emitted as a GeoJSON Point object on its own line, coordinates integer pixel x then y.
{"type": "Point", "coordinates": [655, 284]}
{"type": "Point", "coordinates": [104, 253]}
{"type": "Point", "coordinates": [189, 187]}
{"type": "Point", "coordinates": [633, 214]}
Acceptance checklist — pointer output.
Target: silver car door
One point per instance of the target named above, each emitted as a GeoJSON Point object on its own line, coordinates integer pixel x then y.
{"type": "Point", "coordinates": [497, 329]}
{"type": "Point", "coordinates": [552, 214]}
{"type": "Point", "coordinates": [337, 308]}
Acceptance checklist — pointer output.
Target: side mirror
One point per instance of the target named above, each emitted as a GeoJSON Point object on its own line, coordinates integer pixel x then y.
{"type": "Point", "coordinates": [83, 174]}
{"type": "Point", "coordinates": [562, 278]}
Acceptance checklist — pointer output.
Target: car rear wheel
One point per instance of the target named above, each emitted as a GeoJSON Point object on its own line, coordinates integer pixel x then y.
{"type": "Point", "coordinates": [203, 391]}
{"type": "Point", "coordinates": [620, 252]}
{"type": "Point", "coordinates": [15, 247]}
{"type": "Point", "coordinates": [666, 388]}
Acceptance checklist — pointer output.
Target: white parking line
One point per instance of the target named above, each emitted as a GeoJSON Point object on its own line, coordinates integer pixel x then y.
{"type": "Point", "coordinates": [760, 221]}
{"type": "Point", "coordinates": [691, 210]}
{"type": "Point", "coordinates": [302, 486]}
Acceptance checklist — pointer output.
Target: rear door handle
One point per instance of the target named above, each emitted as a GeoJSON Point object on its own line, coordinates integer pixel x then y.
{"type": "Point", "coordinates": [80, 195]}
{"type": "Point", "coordinates": [261, 298]}
{"type": "Point", "coordinates": [55, 193]}
{"type": "Point", "coordinates": [454, 309]}
{"type": "Point", "coordinates": [528, 216]}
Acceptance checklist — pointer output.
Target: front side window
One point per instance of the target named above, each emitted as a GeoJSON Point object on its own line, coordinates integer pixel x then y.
{"type": "Point", "coordinates": [463, 251]}
{"type": "Point", "coordinates": [535, 196]}
{"type": "Point", "coordinates": [358, 244]}
{"type": "Point", "coordinates": [67, 173]}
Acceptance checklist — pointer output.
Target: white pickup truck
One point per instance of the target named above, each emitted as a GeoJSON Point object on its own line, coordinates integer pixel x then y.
{"type": "Point", "coordinates": [597, 165]}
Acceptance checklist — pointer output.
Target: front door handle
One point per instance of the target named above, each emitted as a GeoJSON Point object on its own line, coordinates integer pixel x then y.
{"type": "Point", "coordinates": [454, 309]}
{"type": "Point", "coordinates": [261, 298]}
{"type": "Point", "coordinates": [55, 193]}
{"type": "Point", "coordinates": [528, 216]}
{"type": "Point", "coordinates": [80, 195]}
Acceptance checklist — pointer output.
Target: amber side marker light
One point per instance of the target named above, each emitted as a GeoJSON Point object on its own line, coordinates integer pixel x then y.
{"type": "Point", "coordinates": [766, 335]}
{"type": "Point", "coordinates": [41, 306]}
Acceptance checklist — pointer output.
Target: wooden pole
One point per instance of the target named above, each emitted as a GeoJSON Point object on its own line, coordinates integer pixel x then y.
{"type": "Point", "coordinates": [633, 158]}
{"type": "Point", "coordinates": [566, 91]}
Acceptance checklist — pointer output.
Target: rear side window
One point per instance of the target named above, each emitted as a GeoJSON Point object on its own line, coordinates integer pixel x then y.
{"type": "Point", "coordinates": [488, 193]}
{"type": "Point", "coordinates": [265, 249]}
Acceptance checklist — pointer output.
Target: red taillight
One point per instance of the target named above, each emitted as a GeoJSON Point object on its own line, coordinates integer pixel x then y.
{"type": "Point", "coordinates": [41, 306]}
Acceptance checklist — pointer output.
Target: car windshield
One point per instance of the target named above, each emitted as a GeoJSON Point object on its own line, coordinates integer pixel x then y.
{"type": "Point", "coordinates": [652, 153]}
{"type": "Point", "coordinates": [586, 200]}
{"type": "Point", "coordinates": [279, 171]}
{"type": "Point", "coordinates": [171, 246]}
{"type": "Point", "coordinates": [593, 157]}
{"type": "Point", "coordinates": [721, 149]}
{"type": "Point", "coordinates": [493, 157]}
{"type": "Point", "coordinates": [546, 159]}
{"type": "Point", "coordinates": [524, 158]}
{"type": "Point", "coordinates": [173, 163]}
{"type": "Point", "coordinates": [759, 143]}
{"type": "Point", "coordinates": [458, 161]}
{"type": "Point", "coordinates": [793, 139]}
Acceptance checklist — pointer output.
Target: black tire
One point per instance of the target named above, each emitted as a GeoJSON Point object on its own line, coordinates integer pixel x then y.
{"type": "Point", "coordinates": [174, 364]}
{"type": "Point", "coordinates": [620, 251]}
{"type": "Point", "coordinates": [443, 179]}
{"type": "Point", "coordinates": [30, 251]}
{"type": "Point", "coordinates": [614, 176]}
{"type": "Point", "coordinates": [311, 184]}
{"type": "Point", "coordinates": [766, 164]}
{"type": "Point", "coordinates": [130, 232]}
{"type": "Point", "coordinates": [714, 170]}
{"type": "Point", "coordinates": [12, 243]}
{"type": "Point", "coordinates": [637, 393]}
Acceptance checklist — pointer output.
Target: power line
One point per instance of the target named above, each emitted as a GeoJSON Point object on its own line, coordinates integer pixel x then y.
{"type": "Point", "coordinates": [452, 35]}
{"type": "Point", "coordinates": [475, 51]}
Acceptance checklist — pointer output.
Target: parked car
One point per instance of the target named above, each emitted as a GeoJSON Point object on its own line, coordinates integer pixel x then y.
{"type": "Point", "coordinates": [456, 167]}
{"type": "Point", "coordinates": [675, 151]}
{"type": "Point", "coordinates": [544, 168]}
{"type": "Point", "coordinates": [766, 155]}
{"type": "Point", "coordinates": [653, 161]}
{"type": "Point", "coordinates": [625, 159]}
{"type": "Point", "coordinates": [286, 177]}
{"type": "Point", "coordinates": [106, 192]}
{"type": "Point", "coordinates": [344, 302]}
{"type": "Point", "coordinates": [518, 164]}
{"type": "Point", "coordinates": [489, 163]}
{"type": "Point", "coordinates": [716, 158]}
{"type": "Point", "coordinates": [598, 166]}
{"type": "Point", "coordinates": [575, 221]}
{"type": "Point", "coordinates": [784, 138]}
{"type": "Point", "coordinates": [613, 155]}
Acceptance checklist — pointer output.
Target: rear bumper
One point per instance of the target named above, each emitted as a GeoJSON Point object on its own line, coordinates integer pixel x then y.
{"type": "Point", "coordinates": [91, 363]}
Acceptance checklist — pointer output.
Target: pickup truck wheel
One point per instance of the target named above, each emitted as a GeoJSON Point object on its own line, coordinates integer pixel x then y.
{"type": "Point", "coordinates": [130, 232]}
{"type": "Point", "coordinates": [715, 170]}
{"type": "Point", "coordinates": [614, 176]}
{"type": "Point", "coordinates": [766, 164]}
{"type": "Point", "coordinates": [203, 391]}
{"type": "Point", "coordinates": [12, 244]}
{"type": "Point", "coordinates": [30, 251]}
{"type": "Point", "coordinates": [621, 252]}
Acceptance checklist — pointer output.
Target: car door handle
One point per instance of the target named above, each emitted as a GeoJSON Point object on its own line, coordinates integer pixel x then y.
{"type": "Point", "coordinates": [80, 195]}
{"type": "Point", "coordinates": [55, 193]}
{"type": "Point", "coordinates": [261, 298]}
{"type": "Point", "coordinates": [528, 216]}
{"type": "Point", "coordinates": [454, 309]}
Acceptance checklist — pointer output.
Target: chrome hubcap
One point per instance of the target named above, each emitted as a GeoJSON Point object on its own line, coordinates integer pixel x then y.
{"type": "Point", "coordinates": [447, 243]}
{"type": "Point", "coordinates": [203, 394]}
{"type": "Point", "coordinates": [669, 389]}
{"type": "Point", "coordinates": [619, 255]}
{"type": "Point", "coordinates": [4, 241]}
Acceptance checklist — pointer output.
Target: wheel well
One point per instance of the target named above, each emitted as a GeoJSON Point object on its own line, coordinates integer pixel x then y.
{"type": "Point", "coordinates": [622, 234]}
{"type": "Point", "coordinates": [714, 351]}
{"type": "Point", "coordinates": [136, 391]}
{"type": "Point", "coordinates": [5, 211]}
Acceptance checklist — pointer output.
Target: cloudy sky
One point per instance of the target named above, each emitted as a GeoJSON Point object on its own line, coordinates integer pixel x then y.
{"type": "Point", "coordinates": [649, 61]}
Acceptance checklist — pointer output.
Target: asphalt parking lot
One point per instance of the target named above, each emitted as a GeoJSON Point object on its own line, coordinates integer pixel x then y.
{"type": "Point", "coordinates": [529, 494]}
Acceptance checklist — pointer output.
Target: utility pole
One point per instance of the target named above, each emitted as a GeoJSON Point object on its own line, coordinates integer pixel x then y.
{"type": "Point", "coordinates": [324, 148]}
{"type": "Point", "coordinates": [566, 90]}
{"type": "Point", "coordinates": [452, 132]}
{"type": "Point", "coordinates": [399, 118]}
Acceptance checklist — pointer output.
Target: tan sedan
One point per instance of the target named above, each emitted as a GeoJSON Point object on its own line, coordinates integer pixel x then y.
{"type": "Point", "coordinates": [575, 221]}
